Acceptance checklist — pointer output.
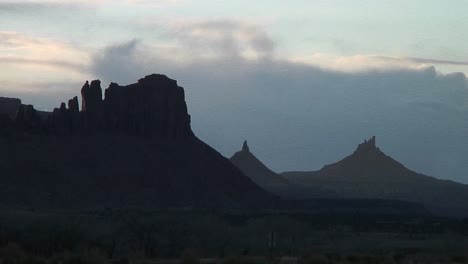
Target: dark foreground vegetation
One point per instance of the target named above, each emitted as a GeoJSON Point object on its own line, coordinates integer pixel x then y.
{"type": "Point", "coordinates": [186, 236]}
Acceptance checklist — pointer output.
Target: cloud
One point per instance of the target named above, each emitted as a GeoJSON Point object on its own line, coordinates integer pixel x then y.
{"type": "Point", "coordinates": [42, 5]}
{"type": "Point", "coordinates": [18, 48]}
{"type": "Point", "coordinates": [49, 63]}
{"type": "Point", "coordinates": [427, 61]}
{"type": "Point", "coordinates": [25, 60]}
{"type": "Point", "coordinates": [223, 38]}
{"type": "Point", "coordinates": [22, 5]}
{"type": "Point", "coordinates": [157, 3]}
{"type": "Point", "coordinates": [197, 42]}
{"type": "Point", "coordinates": [363, 62]}
{"type": "Point", "coordinates": [44, 95]}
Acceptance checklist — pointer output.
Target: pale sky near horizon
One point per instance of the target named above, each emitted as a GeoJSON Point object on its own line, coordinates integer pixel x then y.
{"type": "Point", "coordinates": [303, 80]}
{"type": "Point", "coordinates": [319, 32]}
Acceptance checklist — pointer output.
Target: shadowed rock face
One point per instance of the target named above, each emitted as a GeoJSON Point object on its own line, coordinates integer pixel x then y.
{"type": "Point", "coordinates": [134, 148]}
{"type": "Point", "coordinates": [92, 97]}
{"type": "Point", "coordinates": [370, 173]}
{"type": "Point", "coordinates": [154, 107]}
{"type": "Point", "coordinates": [144, 109]}
{"type": "Point", "coordinates": [315, 197]}
{"type": "Point", "coordinates": [257, 171]}
{"type": "Point", "coordinates": [251, 166]}
{"type": "Point", "coordinates": [9, 106]}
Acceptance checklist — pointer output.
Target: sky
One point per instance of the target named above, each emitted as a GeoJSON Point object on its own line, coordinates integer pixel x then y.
{"type": "Point", "coordinates": [304, 81]}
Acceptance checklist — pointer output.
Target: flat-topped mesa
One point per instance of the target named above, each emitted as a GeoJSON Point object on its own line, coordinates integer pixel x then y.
{"type": "Point", "coordinates": [155, 106]}
{"type": "Point", "coordinates": [367, 146]}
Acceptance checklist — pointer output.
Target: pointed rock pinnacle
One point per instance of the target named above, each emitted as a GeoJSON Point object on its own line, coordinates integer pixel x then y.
{"type": "Point", "coordinates": [245, 147]}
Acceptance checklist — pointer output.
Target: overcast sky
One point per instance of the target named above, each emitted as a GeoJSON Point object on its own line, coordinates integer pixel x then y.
{"type": "Point", "coordinates": [304, 81]}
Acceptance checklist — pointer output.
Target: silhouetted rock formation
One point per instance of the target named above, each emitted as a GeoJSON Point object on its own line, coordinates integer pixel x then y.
{"type": "Point", "coordinates": [134, 148]}
{"type": "Point", "coordinates": [27, 118]}
{"type": "Point", "coordinates": [245, 147]}
{"type": "Point", "coordinates": [140, 109]}
{"type": "Point", "coordinates": [92, 97]}
{"type": "Point", "coordinates": [9, 106]}
{"type": "Point", "coordinates": [257, 171]}
{"type": "Point", "coordinates": [367, 146]}
{"type": "Point", "coordinates": [154, 107]}
{"type": "Point", "coordinates": [317, 199]}
{"type": "Point", "coordinates": [73, 105]}
{"type": "Point", "coordinates": [269, 180]}
{"type": "Point", "coordinates": [369, 173]}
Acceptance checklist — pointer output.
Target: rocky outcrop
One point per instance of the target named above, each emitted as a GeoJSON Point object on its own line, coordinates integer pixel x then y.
{"type": "Point", "coordinates": [92, 97]}
{"type": "Point", "coordinates": [73, 105]}
{"type": "Point", "coordinates": [367, 146]}
{"type": "Point", "coordinates": [245, 147]}
{"type": "Point", "coordinates": [154, 107]}
{"type": "Point", "coordinates": [92, 106]}
{"type": "Point", "coordinates": [370, 173]}
{"type": "Point", "coordinates": [27, 118]}
{"type": "Point", "coordinates": [251, 166]}
{"type": "Point", "coordinates": [9, 107]}
{"type": "Point", "coordinates": [134, 148]}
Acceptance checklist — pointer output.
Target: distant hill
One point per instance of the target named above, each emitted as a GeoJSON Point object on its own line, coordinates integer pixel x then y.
{"type": "Point", "coordinates": [315, 198]}
{"type": "Point", "coordinates": [133, 148]}
{"type": "Point", "coordinates": [273, 182]}
{"type": "Point", "coordinates": [259, 173]}
{"type": "Point", "coordinates": [369, 173]}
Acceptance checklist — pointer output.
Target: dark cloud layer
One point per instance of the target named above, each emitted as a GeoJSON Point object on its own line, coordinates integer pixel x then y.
{"type": "Point", "coordinates": [427, 60]}
{"type": "Point", "coordinates": [299, 117]}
